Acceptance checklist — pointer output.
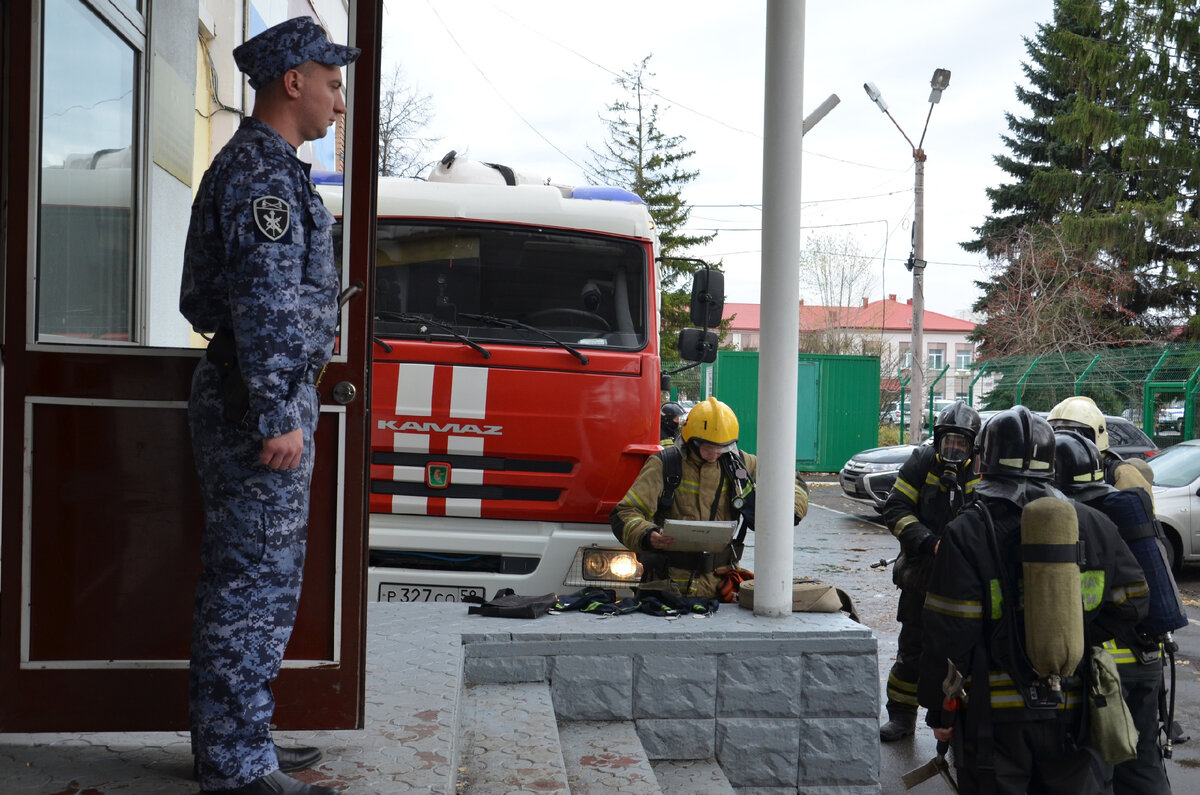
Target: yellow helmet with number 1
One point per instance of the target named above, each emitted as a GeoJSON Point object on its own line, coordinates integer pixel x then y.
{"type": "Point", "coordinates": [711, 421]}
{"type": "Point", "coordinates": [1081, 413]}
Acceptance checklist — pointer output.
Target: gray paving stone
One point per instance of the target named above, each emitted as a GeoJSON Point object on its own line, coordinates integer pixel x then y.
{"type": "Point", "coordinates": [484, 670]}
{"type": "Point", "coordinates": [603, 757]}
{"type": "Point", "coordinates": [592, 688]}
{"type": "Point", "coordinates": [674, 687]}
{"type": "Point", "coordinates": [758, 752]}
{"type": "Point", "coordinates": [691, 777]}
{"type": "Point", "coordinates": [513, 741]}
{"type": "Point", "coordinates": [840, 684]}
{"type": "Point", "coordinates": [844, 751]}
{"type": "Point", "coordinates": [760, 686]}
{"type": "Point", "coordinates": [678, 739]}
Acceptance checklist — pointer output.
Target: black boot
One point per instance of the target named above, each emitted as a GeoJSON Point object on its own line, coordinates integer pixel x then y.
{"type": "Point", "coordinates": [299, 758]}
{"type": "Point", "coordinates": [900, 724]}
{"type": "Point", "coordinates": [290, 760]}
{"type": "Point", "coordinates": [278, 783]}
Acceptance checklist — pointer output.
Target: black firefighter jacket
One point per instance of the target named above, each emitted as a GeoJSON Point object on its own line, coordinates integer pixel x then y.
{"type": "Point", "coordinates": [918, 509]}
{"type": "Point", "coordinates": [964, 605]}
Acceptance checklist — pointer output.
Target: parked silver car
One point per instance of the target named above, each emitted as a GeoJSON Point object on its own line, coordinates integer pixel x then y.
{"type": "Point", "coordinates": [1177, 499]}
{"type": "Point", "coordinates": [868, 476]}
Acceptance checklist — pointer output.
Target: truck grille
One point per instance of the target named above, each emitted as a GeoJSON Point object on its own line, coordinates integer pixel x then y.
{"type": "Point", "coordinates": [495, 463]}
{"type": "Point", "coordinates": [466, 492]}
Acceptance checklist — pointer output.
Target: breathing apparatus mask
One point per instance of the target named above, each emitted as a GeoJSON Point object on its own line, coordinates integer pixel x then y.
{"type": "Point", "coordinates": [735, 468]}
{"type": "Point", "coordinates": [954, 449]}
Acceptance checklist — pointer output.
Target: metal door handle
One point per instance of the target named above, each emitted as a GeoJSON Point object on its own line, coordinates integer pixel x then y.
{"type": "Point", "coordinates": [344, 392]}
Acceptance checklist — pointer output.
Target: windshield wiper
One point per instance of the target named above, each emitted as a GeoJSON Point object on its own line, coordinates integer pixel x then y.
{"type": "Point", "coordinates": [425, 323]}
{"type": "Point", "coordinates": [504, 322]}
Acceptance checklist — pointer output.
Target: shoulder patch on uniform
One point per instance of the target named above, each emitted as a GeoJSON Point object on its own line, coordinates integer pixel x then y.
{"type": "Point", "coordinates": [272, 215]}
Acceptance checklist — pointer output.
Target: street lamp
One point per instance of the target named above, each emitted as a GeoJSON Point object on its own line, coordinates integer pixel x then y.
{"type": "Point", "coordinates": [916, 262]}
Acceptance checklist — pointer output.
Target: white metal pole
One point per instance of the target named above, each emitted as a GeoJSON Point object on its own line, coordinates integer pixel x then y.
{"type": "Point", "coordinates": [783, 126]}
{"type": "Point", "coordinates": [917, 381]}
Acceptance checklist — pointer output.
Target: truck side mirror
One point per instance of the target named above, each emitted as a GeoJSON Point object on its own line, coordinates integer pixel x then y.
{"type": "Point", "coordinates": [698, 346]}
{"type": "Point", "coordinates": [708, 298]}
{"type": "Point", "coordinates": [664, 382]}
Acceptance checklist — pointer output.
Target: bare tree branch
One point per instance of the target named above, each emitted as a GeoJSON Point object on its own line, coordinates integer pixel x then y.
{"type": "Point", "coordinates": [403, 113]}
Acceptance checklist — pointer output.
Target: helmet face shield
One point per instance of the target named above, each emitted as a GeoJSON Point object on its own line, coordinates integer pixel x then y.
{"type": "Point", "coordinates": [954, 448]}
{"type": "Point", "coordinates": [955, 431]}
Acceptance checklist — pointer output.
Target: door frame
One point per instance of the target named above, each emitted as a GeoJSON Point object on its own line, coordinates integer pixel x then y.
{"type": "Point", "coordinates": [327, 694]}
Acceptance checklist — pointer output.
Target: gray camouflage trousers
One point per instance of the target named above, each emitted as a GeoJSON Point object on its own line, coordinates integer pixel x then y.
{"type": "Point", "coordinates": [255, 528]}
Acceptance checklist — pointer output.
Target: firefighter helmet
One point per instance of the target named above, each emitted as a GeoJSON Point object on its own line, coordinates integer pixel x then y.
{"type": "Point", "coordinates": [1080, 413]}
{"type": "Point", "coordinates": [713, 422]}
{"type": "Point", "coordinates": [668, 419]}
{"type": "Point", "coordinates": [1077, 461]}
{"type": "Point", "coordinates": [961, 420]}
{"type": "Point", "coordinates": [1017, 442]}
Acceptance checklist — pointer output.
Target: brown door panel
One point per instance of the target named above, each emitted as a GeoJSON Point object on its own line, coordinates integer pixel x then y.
{"type": "Point", "coordinates": [101, 515]}
{"type": "Point", "coordinates": [113, 587]}
{"type": "Point", "coordinates": [137, 560]}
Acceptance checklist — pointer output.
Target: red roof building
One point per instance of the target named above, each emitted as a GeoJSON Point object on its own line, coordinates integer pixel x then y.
{"type": "Point", "coordinates": [882, 328]}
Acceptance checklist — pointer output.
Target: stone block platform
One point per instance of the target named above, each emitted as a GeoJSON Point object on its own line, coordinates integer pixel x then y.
{"type": "Point", "coordinates": [554, 704]}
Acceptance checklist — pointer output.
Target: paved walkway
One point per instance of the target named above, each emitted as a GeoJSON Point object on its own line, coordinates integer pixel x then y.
{"type": "Point", "coordinates": [412, 688]}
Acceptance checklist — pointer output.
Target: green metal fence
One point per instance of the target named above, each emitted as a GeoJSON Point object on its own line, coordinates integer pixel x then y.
{"type": "Point", "coordinates": [1156, 387]}
{"type": "Point", "coordinates": [684, 385]}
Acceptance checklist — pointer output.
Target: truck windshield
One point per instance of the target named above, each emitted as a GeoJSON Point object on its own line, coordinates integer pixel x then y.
{"type": "Point", "coordinates": [586, 290]}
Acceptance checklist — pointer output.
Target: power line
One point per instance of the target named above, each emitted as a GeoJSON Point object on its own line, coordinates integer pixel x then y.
{"type": "Point", "coordinates": [619, 76]}
{"type": "Point", "coordinates": [758, 205]}
{"type": "Point", "coordinates": [492, 85]}
{"type": "Point", "coordinates": [869, 257]}
{"type": "Point", "coordinates": [675, 103]}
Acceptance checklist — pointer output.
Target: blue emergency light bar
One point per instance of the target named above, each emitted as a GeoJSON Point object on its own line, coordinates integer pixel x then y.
{"type": "Point", "coordinates": [321, 177]}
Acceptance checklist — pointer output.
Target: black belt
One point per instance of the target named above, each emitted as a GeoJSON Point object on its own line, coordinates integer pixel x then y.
{"type": "Point", "coordinates": [223, 353]}
{"type": "Point", "coordinates": [699, 562]}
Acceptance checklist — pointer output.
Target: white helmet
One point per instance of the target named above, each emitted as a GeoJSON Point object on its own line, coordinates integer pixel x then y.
{"type": "Point", "coordinates": [1080, 413]}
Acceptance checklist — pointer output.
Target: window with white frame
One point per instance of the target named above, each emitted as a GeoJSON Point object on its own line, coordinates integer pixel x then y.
{"type": "Point", "coordinates": [937, 358]}
{"type": "Point", "coordinates": [89, 160]}
{"type": "Point", "coordinates": [963, 358]}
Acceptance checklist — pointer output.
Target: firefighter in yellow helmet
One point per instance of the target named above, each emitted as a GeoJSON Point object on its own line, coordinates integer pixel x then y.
{"type": "Point", "coordinates": [705, 478]}
{"type": "Point", "coordinates": [1081, 414]}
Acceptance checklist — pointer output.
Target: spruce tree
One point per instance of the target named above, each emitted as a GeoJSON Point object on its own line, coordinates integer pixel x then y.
{"type": "Point", "coordinates": [639, 156]}
{"type": "Point", "coordinates": [1107, 155]}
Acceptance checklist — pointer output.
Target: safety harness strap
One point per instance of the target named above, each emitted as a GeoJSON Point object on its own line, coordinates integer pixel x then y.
{"type": "Point", "coordinates": [672, 467]}
{"type": "Point", "coordinates": [1053, 553]}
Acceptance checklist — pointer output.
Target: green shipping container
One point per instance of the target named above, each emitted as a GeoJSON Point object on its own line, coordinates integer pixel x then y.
{"type": "Point", "coordinates": [837, 404]}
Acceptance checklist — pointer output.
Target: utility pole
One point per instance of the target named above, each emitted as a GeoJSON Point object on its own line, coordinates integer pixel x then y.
{"type": "Point", "coordinates": [916, 262]}
{"type": "Point", "coordinates": [916, 380]}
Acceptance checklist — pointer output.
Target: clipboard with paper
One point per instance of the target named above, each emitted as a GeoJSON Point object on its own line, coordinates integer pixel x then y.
{"type": "Point", "coordinates": [698, 536]}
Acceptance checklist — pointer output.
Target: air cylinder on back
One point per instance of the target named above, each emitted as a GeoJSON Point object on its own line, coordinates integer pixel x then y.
{"type": "Point", "coordinates": [1131, 510]}
{"type": "Point", "coordinates": [1053, 591]}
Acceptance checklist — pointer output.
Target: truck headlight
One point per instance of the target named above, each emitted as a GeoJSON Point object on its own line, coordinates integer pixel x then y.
{"type": "Point", "coordinates": [611, 564]}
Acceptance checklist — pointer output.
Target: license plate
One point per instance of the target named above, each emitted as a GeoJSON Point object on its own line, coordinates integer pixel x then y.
{"type": "Point", "coordinates": [405, 592]}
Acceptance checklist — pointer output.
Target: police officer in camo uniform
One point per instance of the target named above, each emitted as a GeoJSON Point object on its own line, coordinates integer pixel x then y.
{"type": "Point", "coordinates": [259, 276]}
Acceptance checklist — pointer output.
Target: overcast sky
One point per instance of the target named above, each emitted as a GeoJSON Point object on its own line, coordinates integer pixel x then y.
{"type": "Point", "coordinates": [523, 82]}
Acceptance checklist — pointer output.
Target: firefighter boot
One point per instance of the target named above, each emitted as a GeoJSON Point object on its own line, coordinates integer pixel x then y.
{"type": "Point", "coordinates": [901, 724]}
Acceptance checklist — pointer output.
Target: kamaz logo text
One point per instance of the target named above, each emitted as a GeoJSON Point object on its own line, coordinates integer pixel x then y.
{"type": "Point", "coordinates": [441, 427]}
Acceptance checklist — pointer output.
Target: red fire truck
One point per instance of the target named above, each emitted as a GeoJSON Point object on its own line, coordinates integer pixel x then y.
{"type": "Point", "coordinates": [516, 385]}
